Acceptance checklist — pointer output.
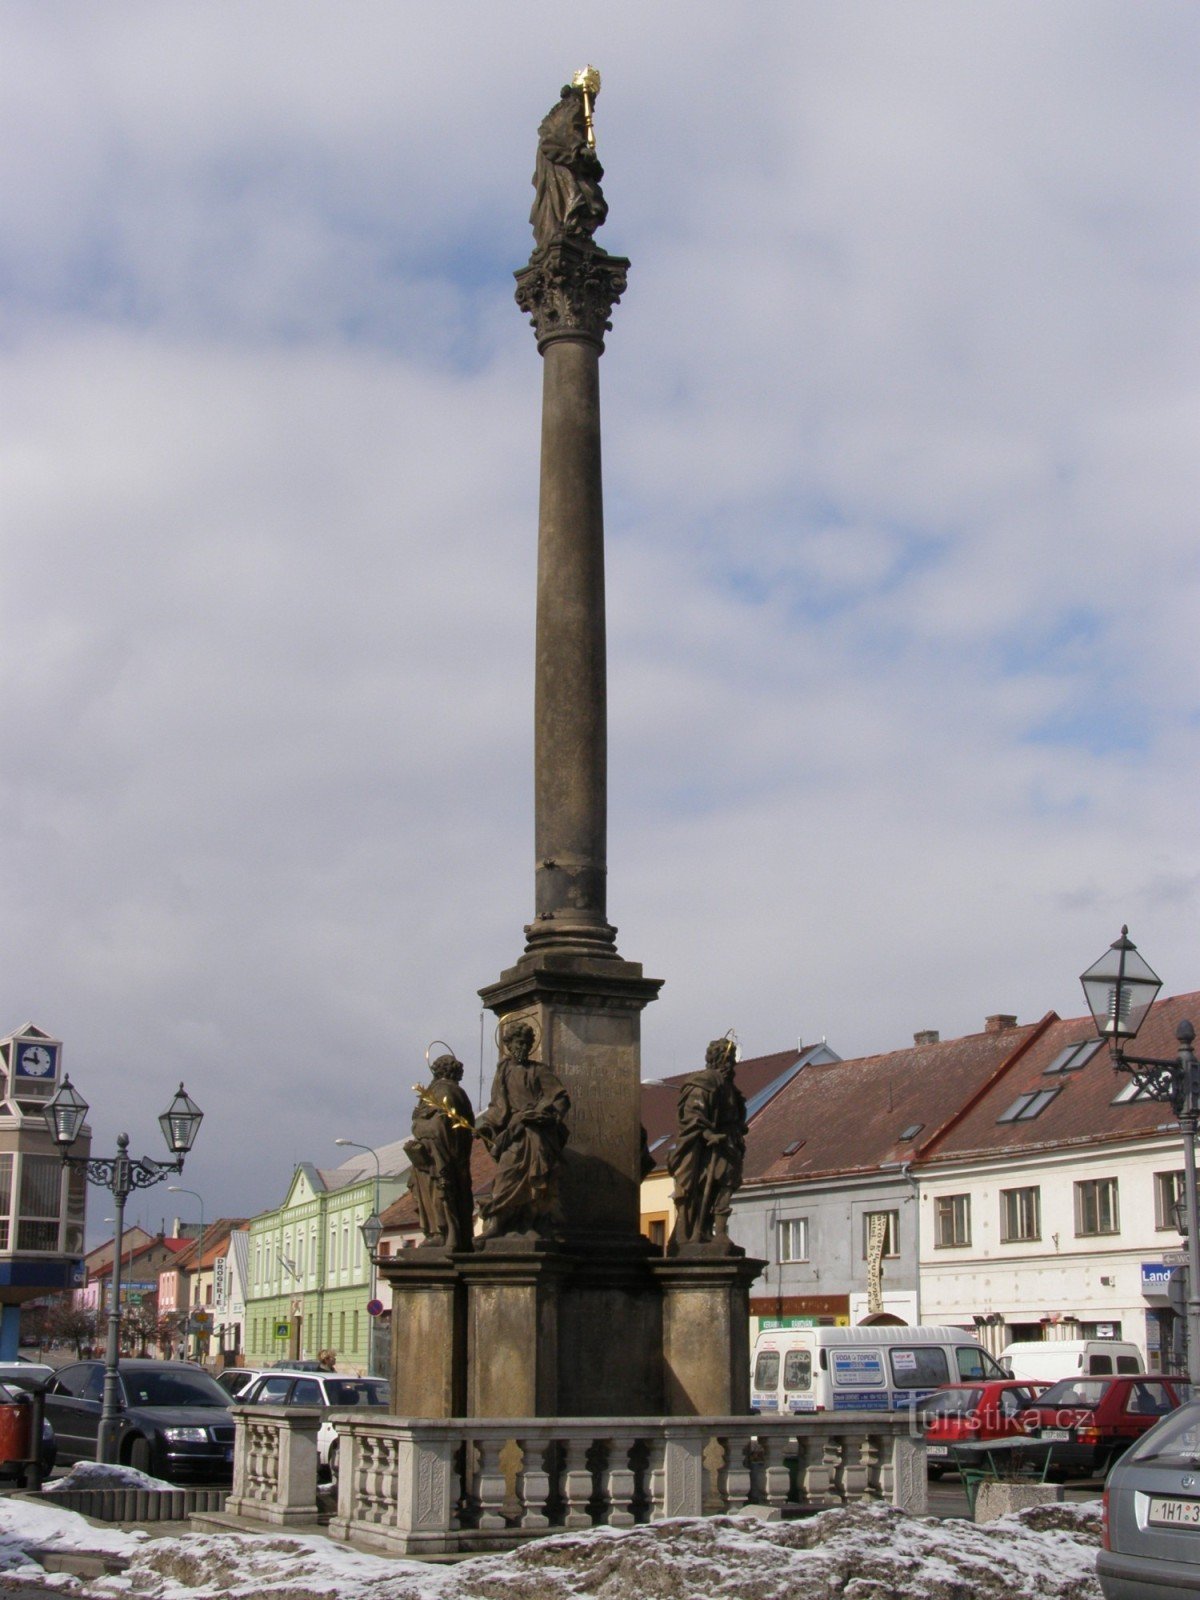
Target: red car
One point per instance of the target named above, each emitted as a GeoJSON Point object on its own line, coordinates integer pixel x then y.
{"type": "Point", "coordinates": [1094, 1420]}
{"type": "Point", "coordinates": [965, 1413]}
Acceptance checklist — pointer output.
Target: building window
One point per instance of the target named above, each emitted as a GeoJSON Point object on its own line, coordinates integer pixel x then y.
{"type": "Point", "coordinates": [1168, 1188]}
{"type": "Point", "coordinates": [40, 1203]}
{"type": "Point", "coordinates": [6, 1171]}
{"type": "Point", "coordinates": [793, 1239]}
{"type": "Point", "coordinates": [1027, 1106]}
{"type": "Point", "coordinates": [1075, 1056]}
{"type": "Point", "coordinates": [890, 1224]}
{"type": "Point", "coordinates": [1096, 1206]}
{"type": "Point", "coordinates": [1020, 1215]}
{"type": "Point", "coordinates": [952, 1216]}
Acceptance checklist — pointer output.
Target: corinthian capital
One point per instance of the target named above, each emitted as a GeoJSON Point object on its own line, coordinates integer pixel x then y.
{"type": "Point", "coordinates": [569, 288]}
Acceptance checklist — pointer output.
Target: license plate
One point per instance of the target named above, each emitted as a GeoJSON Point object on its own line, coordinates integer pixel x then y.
{"type": "Point", "coordinates": [1054, 1433]}
{"type": "Point", "coordinates": [936, 1450]}
{"type": "Point", "coordinates": [1174, 1513]}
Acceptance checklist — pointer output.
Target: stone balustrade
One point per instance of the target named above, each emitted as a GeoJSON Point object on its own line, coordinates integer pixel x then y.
{"type": "Point", "coordinates": [275, 1464]}
{"type": "Point", "coordinates": [419, 1487]}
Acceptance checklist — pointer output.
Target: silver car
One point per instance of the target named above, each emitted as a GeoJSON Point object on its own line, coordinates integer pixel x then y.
{"type": "Point", "coordinates": [1151, 1543]}
{"type": "Point", "coordinates": [332, 1391]}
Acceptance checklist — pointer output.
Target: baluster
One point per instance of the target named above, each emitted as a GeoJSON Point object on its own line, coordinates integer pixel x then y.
{"type": "Point", "coordinates": [853, 1482]}
{"type": "Point", "coordinates": [814, 1473]}
{"type": "Point", "coordinates": [535, 1485]}
{"type": "Point", "coordinates": [656, 1475]}
{"type": "Point", "coordinates": [577, 1482]}
{"type": "Point", "coordinates": [872, 1449]}
{"type": "Point", "coordinates": [737, 1472]}
{"type": "Point", "coordinates": [777, 1476]}
{"type": "Point", "coordinates": [489, 1484]}
{"type": "Point", "coordinates": [619, 1489]}
{"type": "Point", "coordinates": [713, 1457]}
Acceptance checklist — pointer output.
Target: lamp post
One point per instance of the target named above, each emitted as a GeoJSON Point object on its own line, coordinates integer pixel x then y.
{"type": "Point", "coordinates": [1120, 990]}
{"type": "Point", "coordinates": [120, 1175]}
{"type": "Point", "coordinates": [370, 1228]}
{"type": "Point", "coordinates": [174, 1188]}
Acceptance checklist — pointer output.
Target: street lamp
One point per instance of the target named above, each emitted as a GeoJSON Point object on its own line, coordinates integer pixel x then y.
{"type": "Point", "coordinates": [174, 1188]}
{"type": "Point", "coordinates": [1120, 990]}
{"type": "Point", "coordinates": [120, 1175]}
{"type": "Point", "coordinates": [370, 1228]}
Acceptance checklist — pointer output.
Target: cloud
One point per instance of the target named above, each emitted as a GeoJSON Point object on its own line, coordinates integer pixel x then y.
{"type": "Point", "coordinates": [899, 487]}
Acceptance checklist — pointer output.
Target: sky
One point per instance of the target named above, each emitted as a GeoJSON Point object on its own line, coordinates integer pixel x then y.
{"type": "Point", "coordinates": [900, 483]}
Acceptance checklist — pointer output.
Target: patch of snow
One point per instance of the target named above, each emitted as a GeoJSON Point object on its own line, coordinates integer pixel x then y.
{"type": "Point", "coordinates": [103, 1475]}
{"type": "Point", "coordinates": [855, 1553]}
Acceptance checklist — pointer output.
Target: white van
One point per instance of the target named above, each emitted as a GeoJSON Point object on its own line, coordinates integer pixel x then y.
{"type": "Point", "coordinates": [1048, 1360]}
{"type": "Point", "coordinates": [861, 1369]}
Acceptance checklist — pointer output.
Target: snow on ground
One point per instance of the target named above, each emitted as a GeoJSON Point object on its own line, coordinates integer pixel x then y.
{"type": "Point", "coordinates": [856, 1553]}
{"type": "Point", "coordinates": [103, 1475]}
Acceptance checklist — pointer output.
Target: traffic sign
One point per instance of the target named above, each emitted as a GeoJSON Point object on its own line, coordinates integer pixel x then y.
{"type": "Point", "coordinates": [1174, 1258]}
{"type": "Point", "coordinates": [374, 1308]}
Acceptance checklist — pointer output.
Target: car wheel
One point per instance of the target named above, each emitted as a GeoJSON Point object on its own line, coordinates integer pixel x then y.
{"type": "Point", "coordinates": [141, 1457]}
{"type": "Point", "coordinates": [935, 1472]}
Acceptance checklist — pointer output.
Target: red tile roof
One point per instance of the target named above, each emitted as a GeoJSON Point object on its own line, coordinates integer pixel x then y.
{"type": "Point", "coordinates": [1083, 1109]}
{"type": "Point", "coordinates": [848, 1116]}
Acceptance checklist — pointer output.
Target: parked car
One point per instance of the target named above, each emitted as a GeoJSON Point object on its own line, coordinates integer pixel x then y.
{"type": "Point", "coordinates": [1095, 1420]}
{"type": "Point", "coordinates": [1150, 1544]}
{"type": "Point", "coordinates": [967, 1413]}
{"type": "Point", "coordinates": [236, 1380]}
{"type": "Point", "coordinates": [23, 1372]}
{"type": "Point", "coordinates": [174, 1419]}
{"type": "Point", "coordinates": [330, 1390]}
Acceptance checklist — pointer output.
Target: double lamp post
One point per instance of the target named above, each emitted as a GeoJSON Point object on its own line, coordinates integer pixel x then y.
{"type": "Point", "coordinates": [1120, 990]}
{"type": "Point", "coordinates": [120, 1175]}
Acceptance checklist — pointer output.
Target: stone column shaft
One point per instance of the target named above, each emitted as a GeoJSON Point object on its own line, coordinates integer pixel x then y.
{"type": "Point", "coordinates": [570, 703]}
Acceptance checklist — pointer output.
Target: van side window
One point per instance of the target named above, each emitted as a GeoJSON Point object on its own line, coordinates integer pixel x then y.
{"type": "Point", "coordinates": [923, 1367]}
{"type": "Point", "coordinates": [766, 1370]}
{"type": "Point", "coordinates": [1128, 1364]}
{"type": "Point", "coordinates": [797, 1369]}
{"type": "Point", "coordinates": [970, 1363]}
{"type": "Point", "coordinates": [1100, 1365]}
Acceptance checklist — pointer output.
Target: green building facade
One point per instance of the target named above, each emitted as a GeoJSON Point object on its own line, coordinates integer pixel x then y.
{"type": "Point", "coordinates": [309, 1275]}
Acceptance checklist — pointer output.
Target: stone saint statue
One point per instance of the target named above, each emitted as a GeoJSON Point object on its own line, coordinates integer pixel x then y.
{"type": "Point", "coordinates": [440, 1153]}
{"type": "Point", "coordinates": [524, 1128]}
{"type": "Point", "coordinates": [568, 201]}
{"type": "Point", "coordinates": [710, 1146]}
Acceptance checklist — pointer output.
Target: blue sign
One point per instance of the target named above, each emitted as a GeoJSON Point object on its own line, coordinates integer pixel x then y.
{"type": "Point", "coordinates": [856, 1367]}
{"type": "Point", "coordinates": [1156, 1278]}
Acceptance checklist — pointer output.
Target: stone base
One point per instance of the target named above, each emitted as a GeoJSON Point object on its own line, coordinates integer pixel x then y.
{"type": "Point", "coordinates": [586, 1017]}
{"type": "Point", "coordinates": [994, 1500]}
{"type": "Point", "coordinates": [531, 1328]}
{"type": "Point", "coordinates": [706, 1332]}
{"type": "Point", "coordinates": [428, 1366]}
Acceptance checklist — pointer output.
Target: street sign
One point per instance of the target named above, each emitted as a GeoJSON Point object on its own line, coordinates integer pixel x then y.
{"type": "Point", "coordinates": [282, 1330]}
{"type": "Point", "coordinates": [134, 1299]}
{"type": "Point", "coordinates": [1174, 1258]}
{"type": "Point", "coordinates": [374, 1308]}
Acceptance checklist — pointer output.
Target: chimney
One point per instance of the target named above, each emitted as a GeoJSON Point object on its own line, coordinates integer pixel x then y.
{"type": "Point", "coordinates": [927, 1036]}
{"type": "Point", "coordinates": [998, 1023]}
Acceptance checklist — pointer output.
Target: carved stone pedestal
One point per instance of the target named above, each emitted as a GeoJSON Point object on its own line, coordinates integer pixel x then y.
{"type": "Point", "coordinates": [428, 1376]}
{"type": "Point", "coordinates": [706, 1333]}
{"type": "Point", "coordinates": [586, 1015]}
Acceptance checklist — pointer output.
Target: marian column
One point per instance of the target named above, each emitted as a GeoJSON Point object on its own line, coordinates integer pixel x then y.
{"type": "Point", "coordinates": [583, 1001]}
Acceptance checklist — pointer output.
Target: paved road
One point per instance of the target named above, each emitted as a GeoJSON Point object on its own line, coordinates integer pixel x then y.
{"type": "Point", "coordinates": [947, 1498]}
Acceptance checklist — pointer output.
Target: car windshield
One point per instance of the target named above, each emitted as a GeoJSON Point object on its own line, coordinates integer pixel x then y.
{"type": "Point", "coordinates": [951, 1402]}
{"type": "Point", "coordinates": [1081, 1392]}
{"type": "Point", "coordinates": [356, 1391]}
{"type": "Point", "coordinates": [1176, 1438]}
{"type": "Point", "coordinates": [158, 1388]}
